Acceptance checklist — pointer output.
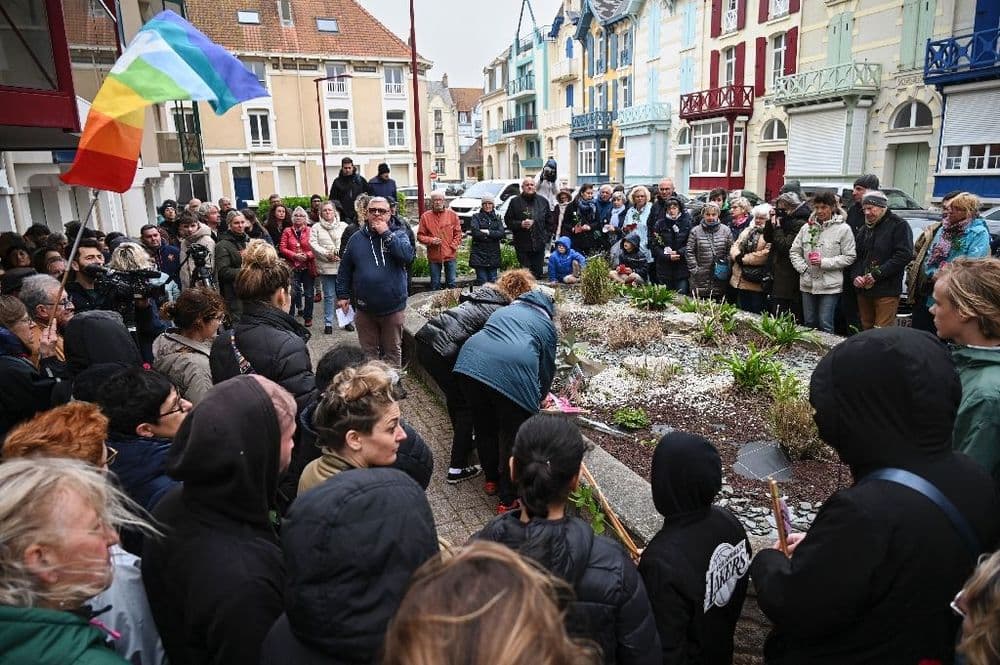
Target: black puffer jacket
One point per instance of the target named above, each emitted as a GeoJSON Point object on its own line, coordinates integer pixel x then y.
{"type": "Point", "coordinates": [485, 250]}
{"type": "Point", "coordinates": [611, 607]}
{"type": "Point", "coordinates": [351, 545]}
{"type": "Point", "coordinates": [872, 579]}
{"type": "Point", "coordinates": [536, 208]}
{"type": "Point", "coordinates": [274, 344]}
{"type": "Point", "coordinates": [696, 568]}
{"type": "Point", "coordinates": [447, 332]}
{"type": "Point", "coordinates": [786, 278]}
{"type": "Point", "coordinates": [215, 579]}
{"type": "Point", "coordinates": [884, 250]}
{"type": "Point", "coordinates": [672, 233]}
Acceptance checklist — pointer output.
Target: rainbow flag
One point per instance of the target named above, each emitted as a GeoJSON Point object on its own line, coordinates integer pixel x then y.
{"type": "Point", "coordinates": [169, 59]}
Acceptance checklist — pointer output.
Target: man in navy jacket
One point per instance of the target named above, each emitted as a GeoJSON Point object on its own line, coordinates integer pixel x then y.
{"type": "Point", "coordinates": [372, 275]}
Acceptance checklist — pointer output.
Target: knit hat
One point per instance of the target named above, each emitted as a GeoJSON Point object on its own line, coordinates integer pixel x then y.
{"type": "Point", "coordinates": [673, 200]}
{"type": "Point", "coordinates": [383, 168]}
{"type": "Point", "coordinates": [868, 181]}
{"type": "Point", "coordinates": [875, 198]}
{"type": "Point", "coordinates": [792, 186]}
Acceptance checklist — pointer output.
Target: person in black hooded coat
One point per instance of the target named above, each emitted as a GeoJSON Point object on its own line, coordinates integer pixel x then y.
{"type": "Point", "coordinates": [695, 568]}
{"type": "Point", "coordinates": [267, 340]}
{"type": "Point", "coordinates": [611, 607]}
{"type": "Point", "coordinates": [351, 545]}
{"type": "Point", "coordinates": [97, 338]}
{"type": "Point", "coordinates": [215, 579]}
{"type": "Point", "coordinates": [872, 579]}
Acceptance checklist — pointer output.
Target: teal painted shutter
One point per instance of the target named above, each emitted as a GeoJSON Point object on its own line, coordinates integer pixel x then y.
{"type": "Point", "coordinates": [614, 95]}
{"type": "Point", "coordinates": [838, 34]}
{"type": "Point", "coordinates": [590, 94]}
{"type": "Point", "coordinates": [925, 30]}
{"type": "Point", "coordinates": [687, 36]}
{"type": "Point", "coordinates": [846, 28]}
{"type": "Point", "coordinates": [569, 96]}
{"type": "Point", "coordinates": [908, 41]}
{"type": "Point", "coordinates": [613, 45]}
{"type": "Point", "coordinates": [591, 56]}
{"type": "Point", "coordinates": [833, 41]}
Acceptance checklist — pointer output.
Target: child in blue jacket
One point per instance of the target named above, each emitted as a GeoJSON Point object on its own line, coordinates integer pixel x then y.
{"type": "Point", "coordinates": [565, 263]}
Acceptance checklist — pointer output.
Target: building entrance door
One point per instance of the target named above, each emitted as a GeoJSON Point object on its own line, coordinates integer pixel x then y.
{"type": "Point", "coordinates": [774, 175]}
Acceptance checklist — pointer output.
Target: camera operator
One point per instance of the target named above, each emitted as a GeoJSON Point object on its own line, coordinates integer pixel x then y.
{"type": "Point", "coordinates": [166, 257]}
{"type": "Point", "coordinates": [86, 266]}
{"type": "Point", "coordinates": [197, 252]}
{"type": "Point", "coordinates": [135, 288]}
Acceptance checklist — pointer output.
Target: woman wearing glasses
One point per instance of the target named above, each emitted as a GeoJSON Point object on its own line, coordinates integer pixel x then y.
{"type": "Point", "coordinates": [181, 353]}
{"type": "Point", "coordinates": [487, 230]}
{"type": "Point", "coordinates": [24, 389]}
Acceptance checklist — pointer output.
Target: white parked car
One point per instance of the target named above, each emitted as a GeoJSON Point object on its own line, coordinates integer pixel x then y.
{"type": "Point", "coordinates": [468, 204]}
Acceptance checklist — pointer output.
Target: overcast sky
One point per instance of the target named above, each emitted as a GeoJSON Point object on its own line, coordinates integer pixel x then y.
{"type": "Point", "coordinates": [460, 38]}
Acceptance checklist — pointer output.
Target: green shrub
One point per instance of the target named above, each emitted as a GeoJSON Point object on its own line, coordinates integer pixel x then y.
{"type": "Point", "coordinates": [651, 297]}
{"type": "Point", "coordinates": [596, 286]}
{"type": "Point", "coordinates": [783, 331]}
{"type": "Point", "coordinates": [289, 202]}
{"type": "Point", "coordinates": [631, 418]}
{"type": "Point", "coordinates": [689, 305]}
{"type": "Point", "coordinates": [421, 267]}
{"type": "Point", "coordinates": [786, 387]}
{"type": "Point", "coordinates": [754, 370]}
{"type": "Point", "coordinates": [508, 257]}
{"type": "Point", "coordinates": [401, 201]}
{"type": "Point", "coordinates": [584, 500]}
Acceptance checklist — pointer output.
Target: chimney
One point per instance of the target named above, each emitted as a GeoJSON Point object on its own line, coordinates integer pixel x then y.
{"type": "Point", "coordinates": [444, 80]}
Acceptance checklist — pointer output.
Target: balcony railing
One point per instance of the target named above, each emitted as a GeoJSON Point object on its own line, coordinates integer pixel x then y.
{"type": "Point", "coordinates": [557, 118]}
{"type": "Point", "coordinates": [964, 58]}
{"type": "Point", "coordinates": [595, 122]}
{"type": "Point", "coordinates": [438, 124]}
{"type": "Point", "coordinates": [168, 145]}
{"type": "Point", "coordinates": [646, 114]}
{"type": "Point", "coordinates": [336, 88]}
{"type": "Point", "coordinates": [565, 70]}
{"type": "Point", "coordinates": [439, 149]}
{"type": "Point", "coordinates": [828, 83]}
{"type": "Point", "coordinates": [522, 123]}
{"type": "Point", "coordinates": [493, 136]}
{"type": "Point", "coordinates": [717, 102]}
{"type": "Point", "coordinates": [729, 21]}
{"type": "Point", "coordinates": [532, 163]}
{"type": "Point", "coordinates": [394, 89]}
{"type": "Point", "coordinates": [521, 86]}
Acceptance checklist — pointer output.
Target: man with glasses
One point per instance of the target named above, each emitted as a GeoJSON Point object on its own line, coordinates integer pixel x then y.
{"type": "Point", "coordinates": [372, 276]}
{"type": "Point", "coordinates": [144, 413]}
{"type": "Point", "coordinates": [528, 217]}
{"type": "Point", "coordinates": [38, 293]}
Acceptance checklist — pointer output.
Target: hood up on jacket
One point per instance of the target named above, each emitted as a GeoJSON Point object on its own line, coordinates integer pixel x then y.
{"type": "Point", "coordinates": [351, 545]}
{"type": "Point", "coordinates": [565, 242]}
{"type": "Point", "coordinates": [227, 451]}
{"type": "Point", "coordinates": [539, 299]}
{"type": "Point", "coordinates": [633, 238]}
{"type": "Point", "coordinates": [686, 474]}
{"type": "Point", "coordinates": [98, 336]}
{"type": "Point", "coordinates": [886, 396]}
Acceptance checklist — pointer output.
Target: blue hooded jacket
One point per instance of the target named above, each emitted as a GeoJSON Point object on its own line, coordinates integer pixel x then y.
{"type": "Point", "coordinates": [561, 265]}
{"type": "Point", "coordinates": [372, 271]}
{"type": "Point", "coordinates": [515, 352]}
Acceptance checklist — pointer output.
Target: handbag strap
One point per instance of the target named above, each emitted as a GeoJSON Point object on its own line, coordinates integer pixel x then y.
{"type": "Point", "coordinates": [925, 487]}
{"type": "Point", "coordinates": [241, 361]}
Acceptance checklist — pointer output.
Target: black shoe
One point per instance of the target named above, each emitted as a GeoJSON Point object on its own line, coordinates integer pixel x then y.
{"type": "Point", "coordinates": [328, 330]}
{"type": "Point", "coordinates": [349, 327]}
{"type": "Point", "coordinates": [465, 474]}
{"type": "Point", "coordinates": [307, 322]}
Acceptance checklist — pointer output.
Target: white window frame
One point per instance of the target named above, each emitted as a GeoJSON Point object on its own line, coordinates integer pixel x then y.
{"type": "Point", "coordinates": [729, 66]}
{"type": "Point", "coordinates": [254, 122]}
{"type": "Point", "coordinates": [392, 87]}
{"type": "Point", "coordinates": [771, 134]}
{"type": "Point", "coordinates": [961, 158]}
{"type": "Point", "coordinates": [909, 110]}
{"type": "Point", "coordinates": [623, 85]}
{"type": "Point", "coordinates": [439, 146]}
{"type": "Point", "coordinates": [463, 118]}
{"type": "Point", "coordinates": [738, 150]}
{"type": "Point", "coordinates": [710, 148]}
{"type": "Point", "coordinates": [586, 157]}
{"type": "Point", "coordinates": [395, 129]}
{"type": "Point", "coordinates": [777, 8]}
{"type": "Point", "coordinates": [730, 16]}
{"type": "Point", "coordinates": [258, 68]}
{"type": "Point", "coordinates": [247, 17]}
{"type": "Point", "coordinates": [441, 166]}
{"type": "Point", "coordinates": [779, 47]}
{"type": "Point", "coordinates": [337, 87]}
{"type": "Point", "coordinates": [340, 133]}
{"type": "Point", "coordinates": [600, 45]}
{"type": "Point", "coordinates": [285, 13]}
{"type": "Point", "coordinates": [327, 25]}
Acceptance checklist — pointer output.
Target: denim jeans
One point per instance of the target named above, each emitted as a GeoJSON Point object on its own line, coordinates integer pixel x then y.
{"type": "Point", "coordinates": [679, 286]}
{"type": "Point", "coordinates": [484, 275]}
{"type": "Point", "coordinates": [449, 274]}
{"type": "Point", "coordinates": [303, 290]}
{"type": "Point", "coordinates": [819, 311]}
{"type": "Point", "coordinates": [329, 298]}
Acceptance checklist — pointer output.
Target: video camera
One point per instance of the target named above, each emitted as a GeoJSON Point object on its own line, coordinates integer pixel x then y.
{"type": "Point", "coordinates": [198, 255]}
{"type": "Point", "coordinates": [126, 284]}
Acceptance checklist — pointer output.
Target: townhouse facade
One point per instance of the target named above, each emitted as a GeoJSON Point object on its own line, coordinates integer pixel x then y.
{"type": "Point", "coordinates": [454, 114]}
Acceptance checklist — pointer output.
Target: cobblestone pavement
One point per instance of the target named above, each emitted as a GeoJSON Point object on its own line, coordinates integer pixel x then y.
{"type": "Point", "coordinates": [459, 510]}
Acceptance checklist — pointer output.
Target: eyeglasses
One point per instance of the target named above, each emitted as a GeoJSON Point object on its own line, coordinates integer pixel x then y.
{"type": "Point", "coordinates": [954, 604]}
{"type": "Point", "coordinates": [378, 211]}
{"type": "Point", "coordinates": [109, 455]}
{"type": "Point", "coordinates": [65, 302]}
{"type": "Point", "coordinates": [181, 407]}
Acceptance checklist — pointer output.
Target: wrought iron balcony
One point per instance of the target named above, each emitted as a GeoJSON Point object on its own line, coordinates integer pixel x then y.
{"type": "Point", "coordinates": [591, 124]}
{"type": "Point", "coordinates": [532, 163]}
{"type": "Point", "coordinates": [521, 86]}
{"type": "Point", "coordinates": [717, 102]}
{"type": "Point", "coordinates": [827, 84]}
{"type": "Point", "coordinates": [645, 115]}
{"type": "Point", "coordinates": [182, 148]}
{"type": "Point", "coordinates": [962, 59]}
{"type": "Point", "coordinates": [493, 136]}
{"type": "Point", "coordinates": [520, 125]}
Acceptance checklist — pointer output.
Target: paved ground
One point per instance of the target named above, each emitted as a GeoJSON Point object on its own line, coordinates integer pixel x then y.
{"type": "Point", "coordinates": [459, 510]}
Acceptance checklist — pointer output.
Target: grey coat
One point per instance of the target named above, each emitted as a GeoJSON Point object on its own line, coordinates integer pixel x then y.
{"type": "Point", "coordinates": [704, 246]}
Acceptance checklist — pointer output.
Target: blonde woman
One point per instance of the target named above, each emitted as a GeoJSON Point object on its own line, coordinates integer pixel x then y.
{"type": "Point", "coordinates": [978, 603]}
{"type": "Point", "coordinates": [327, 234]}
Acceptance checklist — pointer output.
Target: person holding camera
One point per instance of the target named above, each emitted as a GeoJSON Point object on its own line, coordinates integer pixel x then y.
{"type": "Point", "coordinates": [197, 252]}
{"type": "Point", "coordinates": [86, 265]}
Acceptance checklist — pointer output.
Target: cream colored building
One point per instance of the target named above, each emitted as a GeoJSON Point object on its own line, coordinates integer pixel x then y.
{"type": "Point", "coordinates": [455, 123]}
{"type": "Point", "coordinates": [496, 160]}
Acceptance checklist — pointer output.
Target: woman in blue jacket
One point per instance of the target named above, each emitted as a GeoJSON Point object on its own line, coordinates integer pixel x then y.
{"type": "Point", "coordinates": [504, 371]}
{"type": "Point", "coordinates": [565, 263]}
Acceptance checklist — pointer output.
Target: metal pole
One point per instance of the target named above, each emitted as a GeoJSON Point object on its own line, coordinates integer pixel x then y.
{"type": "Point", "coordinates": [322, 138]}
{"type": "Point", "coordinates": [416, 114]}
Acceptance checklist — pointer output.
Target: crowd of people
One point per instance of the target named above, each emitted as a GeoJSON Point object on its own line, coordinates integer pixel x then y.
{"type": "Point", "coordinates": [181, 483]}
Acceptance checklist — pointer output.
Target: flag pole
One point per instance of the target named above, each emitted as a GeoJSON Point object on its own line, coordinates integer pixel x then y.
{"type": "Point", "coordinates": [72, 253]}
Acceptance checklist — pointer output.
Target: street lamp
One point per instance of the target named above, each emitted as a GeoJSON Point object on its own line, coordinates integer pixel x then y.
{"type": "Point", "coordinates": [322, 134]}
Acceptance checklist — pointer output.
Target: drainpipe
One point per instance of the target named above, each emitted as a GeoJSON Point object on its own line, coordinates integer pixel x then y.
{"type": "Point", "coordinates": [850, 103]}
{"type": "Point", "coordinates": [20, 223]}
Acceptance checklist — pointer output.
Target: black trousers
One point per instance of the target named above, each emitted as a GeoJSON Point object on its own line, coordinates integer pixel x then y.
{"type": "Point", "coordinates": [533, 261]}
{"type": "Point", "coordinates": [459, 412]}
{"type": "Point", "coordinates": [496, 419]}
